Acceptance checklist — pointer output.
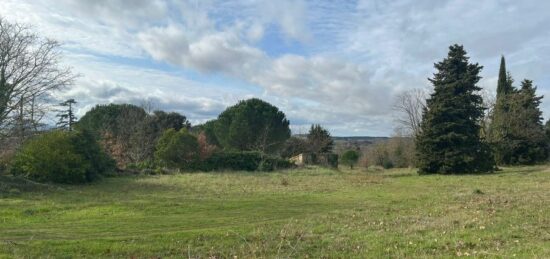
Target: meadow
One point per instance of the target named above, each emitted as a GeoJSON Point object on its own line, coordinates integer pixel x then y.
{"type": "Point", "coordinates": [302, 213]}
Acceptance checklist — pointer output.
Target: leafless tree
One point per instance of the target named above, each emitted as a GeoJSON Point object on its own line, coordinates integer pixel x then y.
{"type": "Point", "coordinates": [29, 71]}
{"type": "Point", "coordinates": [489, 100]}
{"type": "Point", "coordinates": [409, 105]}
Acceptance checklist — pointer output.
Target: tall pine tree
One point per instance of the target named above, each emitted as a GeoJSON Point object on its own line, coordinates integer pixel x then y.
{"type": "Point", "coordinates": [66, 116]}
{"type": "Point", "coordinates": [450, 139]}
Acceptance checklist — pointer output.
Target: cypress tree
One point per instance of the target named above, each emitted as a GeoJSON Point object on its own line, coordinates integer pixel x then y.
{"type": "Point", "coordinates": [504, 85]}
{"type": "Point", "coordinates": [499, 127]}
{"type": "Point", "coordinates": [450, 139]}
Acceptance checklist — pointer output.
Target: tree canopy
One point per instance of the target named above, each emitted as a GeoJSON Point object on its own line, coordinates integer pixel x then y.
{"type": "Point", "coordinates": [252, 125]}
{"type": "Point", "coordinates": [319, 140]}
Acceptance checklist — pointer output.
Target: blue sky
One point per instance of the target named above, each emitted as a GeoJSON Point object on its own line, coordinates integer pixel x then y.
{"type": "Point", "coordinates": [337, 63]}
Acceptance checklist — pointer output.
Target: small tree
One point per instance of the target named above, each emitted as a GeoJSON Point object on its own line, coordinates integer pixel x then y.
{"type": "Point", "coordinates": [350, 158]}
{"type": "Point", "coordinates": [319, 140]}
{"type": "Point", "coordinates": [177, 149]}
{"type": "Point", "coordinates": [66, 116]}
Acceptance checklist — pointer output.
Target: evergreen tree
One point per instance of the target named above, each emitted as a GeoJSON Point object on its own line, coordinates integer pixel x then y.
{"type": "Point", "coordinates": [66, 116]}
{"type": "Point", "coordinates": [319, 140]}
{"type": "Point", "coordinates": [450, 141]}
{"type": "Point", "coordinates": [504, 85]}
{"type": "Point", "coordinates": [252, 125]}
{"type": "Point", "coordinates": [525, 141]}
{"type": "Point", "coordinates": [499, 125]}
{"type": "Point", "coordinates": [516, 133]}
{"type": "Point", "coordinates": [350, 158]}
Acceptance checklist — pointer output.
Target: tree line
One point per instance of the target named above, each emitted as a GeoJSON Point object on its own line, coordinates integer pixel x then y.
{"type": "Point", "coordinates": [456, 130]}
{"type": "Point", "coordinates": [251, 135]}
{"type": "Point", "coordinates": [453, 130]}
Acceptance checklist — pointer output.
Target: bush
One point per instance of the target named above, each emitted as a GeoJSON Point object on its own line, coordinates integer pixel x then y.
{"type": "Point", "coordinates": [269, 164]}
{"type": "Point", "coordinates": [395, 152]}
{"type": "Point", "coordinates": [350, 158]}
{"type": "Point", "coordinates": [177, 149]}
{"type": "Point", "coordinates": [244, 161]}
{"type": "Point", "coordinates": [62, 157]}
{"type": "Point", "coordinates": [240, 161]}
{"type": "Point", "coordinates": [5, 160]}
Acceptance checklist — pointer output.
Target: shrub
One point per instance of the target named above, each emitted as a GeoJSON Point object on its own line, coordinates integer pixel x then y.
{"type": "Point", "coordinates": [269, 164]}
{"type": "Point", "coordinates": [177, 149]}
{"type": "Point", "coordinates": [245, 161]}
{"type": "Point", "coordinates": [62, 157]}
{"type": "Point", "coordinates": [350, 158]}
{"type": "Point", "coordinates": [394, 152]}
{"type": "Point", "coordinates": [5, 159]}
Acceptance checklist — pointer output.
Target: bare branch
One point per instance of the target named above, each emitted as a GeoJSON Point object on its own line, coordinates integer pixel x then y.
{"type": "Point", "coordinates": [29, 70]}
{"type": "Point", "coordinates": [410, 105]}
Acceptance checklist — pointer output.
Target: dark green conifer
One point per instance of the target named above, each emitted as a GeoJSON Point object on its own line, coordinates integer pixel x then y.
{"type": "Point", "coordinates": [450, 139]}
{"type": "Point", "coordinates": [525, 141]}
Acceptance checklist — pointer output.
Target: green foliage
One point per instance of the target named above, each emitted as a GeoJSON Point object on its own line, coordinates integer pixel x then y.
{"type": "Point", "coordinates": [177, 149]}
{"type": "Point", "coordinates": [319, 140]}
{"type": "Point", "coordinates": [350, 158]}
{"type": "Point", "coordinates": [232, 160]}
{"type": "Point", "coordinates": [145, 137]}
{"type": "Point", "coordinates": [127, 132]}
{"type": "Point", "coordinates": [62, 157]}
{"type": "Point", "coordinates": [244, 161]}
{"type": "Point", "coordinates": [114, 125]}
{"type": "Point", "coordinates": [450, 139]}
{"type": "Point", "coordinates": [251, 125]}
{"type": "Point", "coordinates": [522, 139]}
{"type": "Point", "coordinates": [67, 119]}
{"type": "Point", "coordinates": [504, 85]}
{"type": "Point", "coordinates": [516, 132]}
{"type": "Point", "coordinates": [115, 118]}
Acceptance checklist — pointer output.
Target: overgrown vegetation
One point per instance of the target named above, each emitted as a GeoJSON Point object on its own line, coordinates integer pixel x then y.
{"type": "Point", "coordinates": [62, 157]}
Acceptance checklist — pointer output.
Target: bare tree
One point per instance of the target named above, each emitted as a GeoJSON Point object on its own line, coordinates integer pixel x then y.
{"type": "Point", "coordinates": [29, 71]}
{"type": "Point", "coordinates": [489, 101]}
{"type": "Point", "coordinates": [410, 105]}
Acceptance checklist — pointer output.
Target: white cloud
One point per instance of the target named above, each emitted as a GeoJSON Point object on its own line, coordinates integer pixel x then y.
{"type": "Point", "coordinates": [337, 63]}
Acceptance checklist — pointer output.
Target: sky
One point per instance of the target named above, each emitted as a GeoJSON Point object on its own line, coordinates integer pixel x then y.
{"type": "Point", "coordinates": [337, 63]}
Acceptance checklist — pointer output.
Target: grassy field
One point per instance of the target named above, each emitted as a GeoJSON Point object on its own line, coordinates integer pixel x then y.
{"type": "Point", "coordinates": [306, 213]}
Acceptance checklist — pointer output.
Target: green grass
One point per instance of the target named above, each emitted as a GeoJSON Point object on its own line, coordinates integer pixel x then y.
{"type": "Point", "coordinates": [301, 213]}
